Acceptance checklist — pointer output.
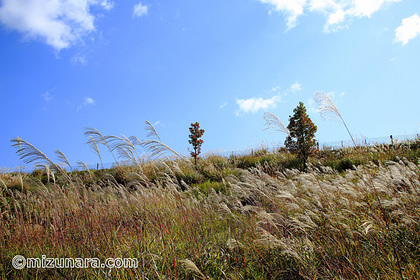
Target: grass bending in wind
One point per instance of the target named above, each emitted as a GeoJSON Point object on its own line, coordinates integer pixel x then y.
{"type": "Point", "coordinates": [154, 146]}
{"type": "Point", "coordinates": [273, 122]}
{"type": "Point", "coordinates": [328, 110]}
{"type": "Point", "coordinates": [126, 147]}
{"type": "Point", "coordinates": [361, 223]}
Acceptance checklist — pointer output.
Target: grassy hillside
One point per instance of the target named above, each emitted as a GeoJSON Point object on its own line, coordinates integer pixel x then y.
{"type": "Point", "coordinates": [352, 214]}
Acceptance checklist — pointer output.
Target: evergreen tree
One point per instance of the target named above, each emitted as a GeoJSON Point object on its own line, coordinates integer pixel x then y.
{"type": "Point", "coordinates": [302, 132]}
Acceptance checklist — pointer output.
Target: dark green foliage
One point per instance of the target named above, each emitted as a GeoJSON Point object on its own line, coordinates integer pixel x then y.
{"type": "Point", "coordinates": [191, 177]}
{"type": "Point", "coordinates": [301, 140]}
{"type": "Point", "coordinates": [342, 164]}
{"type": "Point", "coordinates": [278, 161]}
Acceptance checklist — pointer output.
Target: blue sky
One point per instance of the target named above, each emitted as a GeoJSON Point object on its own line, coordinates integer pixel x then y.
{"type": "Point", "coordinates": [111, 65]}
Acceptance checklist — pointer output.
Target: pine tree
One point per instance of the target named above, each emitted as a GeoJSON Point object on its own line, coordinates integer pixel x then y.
{"type": "Point", "coordinates": [302, 132]}
{"type": "Point", "coordinates": [195, 141]}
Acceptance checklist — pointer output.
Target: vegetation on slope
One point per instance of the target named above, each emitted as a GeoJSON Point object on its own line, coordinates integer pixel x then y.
{"type": "Point", "coordinates": [353, 214]}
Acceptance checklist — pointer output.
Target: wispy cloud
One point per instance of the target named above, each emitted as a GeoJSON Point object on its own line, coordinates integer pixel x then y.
{"type": "Point", "coordinates": [337, 12]}
{"type": "Point", "coordinates": [47, 95]}
{"type": "Point", "coordinates": [79, 59]}
{"type": "Point", "coordinates": [223, 105]}
{"type": "Point", "coordinates": [61, 23]}
{"type": "Point", "coordinates": [408, 30]}
{"type": "Point", "coordinates": [86, 101]}
{"type": "Point", "coordinates": [140, 10]}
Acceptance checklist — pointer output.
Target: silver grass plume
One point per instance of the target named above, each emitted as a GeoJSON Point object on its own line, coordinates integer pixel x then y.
{"type": "Point", "coordinates": [92, 143]}
{"type": "Point", "coordinates": [152, 133]}
{"type": "Point", "coordinates": [135, 140]}
{"type": "Point", "coordinates": [130, 147]}
{"type": "Point", "coordinates": [329, 111]}
{"type": "Point", "coordinates": [190, 266]}
{"type": "Point", "coordinates": [125, 148]}
{"type": "Point", "coordinates": [62, 158]}
{"type": "Point", "coordinates": [83, 165]}
{"type": "Point", "coordinates": [3, 183]}
{"type": "Point", "coordinates": [272, 122]}
{"type": "Point", "coordinates": [154, 147]}
{"type": "Point", "coordinates": [233, 244]}
{"type": "Point", "coordinates": [99, 138]}
{"type": "Point", "coordinates": [45, 167]}
{"type": "Point", "coordinates": [28, 153]}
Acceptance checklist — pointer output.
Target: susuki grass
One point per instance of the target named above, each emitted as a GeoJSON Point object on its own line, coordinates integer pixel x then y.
{"type": "Point", "coordinates": [249, 217]}
{"type": "Point", "coordinates": [328, 110]}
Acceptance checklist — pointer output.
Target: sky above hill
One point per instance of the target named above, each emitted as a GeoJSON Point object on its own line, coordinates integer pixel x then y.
{"type": "Point", "coordinates": [111, 65]}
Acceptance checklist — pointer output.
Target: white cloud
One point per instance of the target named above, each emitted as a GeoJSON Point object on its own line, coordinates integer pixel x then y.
{"type": "Point", "coordinates": [409, 29]}
{"type": "Point", "coordinates": [86, 101]}
{"type": "Point", "coordinates": [368, 7]}
{"type": "Point", "coordinates": [296, 87]}
{"type": "Point", "coordinates": [223, 105]}
{"type": "Point", "coordinates": [293, 9]}
{"type": "Point", "coordinates": [140, 10]}
{"type": "Point", "coordinates": [61, 23]}
{"type": "Point", "coordinates": [107, 5]}
{"type": "Point", "coordinates": [253, 105]}
{"type": "Point", "coordinates": [321, 4]}
{"type": "Point", "coordinates": [337, 12]}
{"type": "Point", "coordinates": [335, 19]}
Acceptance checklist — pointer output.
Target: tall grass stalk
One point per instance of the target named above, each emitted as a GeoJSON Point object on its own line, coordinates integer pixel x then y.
{"type": "Point", "coordinates": [273, 122]}
{"type": "Point", "coordinates": [328, 110]}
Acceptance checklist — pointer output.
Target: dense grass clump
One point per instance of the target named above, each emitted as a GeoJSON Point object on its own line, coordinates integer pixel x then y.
{"type": "Point", "coordinates": [351, 214]}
